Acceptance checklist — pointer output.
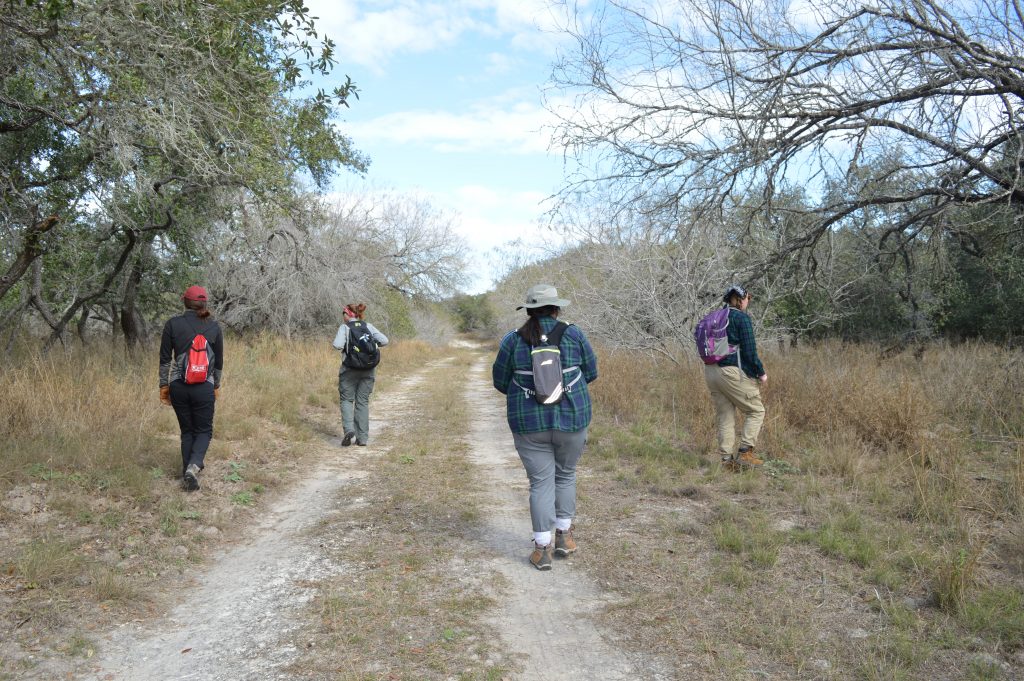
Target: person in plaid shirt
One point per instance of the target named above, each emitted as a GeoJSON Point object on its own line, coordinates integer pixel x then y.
{"type": "Point", "coordinates": [735, 383]}
{"type": "Point", "coordinates": [548, 437]}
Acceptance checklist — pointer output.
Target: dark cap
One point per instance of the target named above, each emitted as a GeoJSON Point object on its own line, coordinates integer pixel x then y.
{"type": "Point", "coordinates": [736, 290]}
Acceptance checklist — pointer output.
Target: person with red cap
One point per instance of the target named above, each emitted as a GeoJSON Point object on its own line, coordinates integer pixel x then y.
{"type": "Point", "coordinates": [360, 343]}
{"type": "Point", "coordinates": [184, 387]}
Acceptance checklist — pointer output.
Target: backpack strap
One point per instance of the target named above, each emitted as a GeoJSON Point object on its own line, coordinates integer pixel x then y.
{"type": "Point", "coordinates": [553, 338]}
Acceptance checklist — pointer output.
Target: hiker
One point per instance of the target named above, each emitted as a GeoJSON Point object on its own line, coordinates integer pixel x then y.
{"type": "Point", "coordinates": [190, 378]}
{"type": "Point", "coordinates": [548, 436]}
{"type": "Point", "coordinates": [735, 383]}
{"type": "Point", "coordinates": [360, 343]}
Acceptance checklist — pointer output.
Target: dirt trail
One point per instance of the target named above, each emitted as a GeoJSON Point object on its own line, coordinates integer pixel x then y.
{"type": "Point", "coordinates": [238, 618]}
{"type": "Point", "coordinates": [545, 619]}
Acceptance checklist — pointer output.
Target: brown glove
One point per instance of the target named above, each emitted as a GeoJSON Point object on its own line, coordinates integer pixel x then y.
{"type": "Point", "coordinates": [165, 394]}
{"type": "Point", "coordinates": [216, 394]}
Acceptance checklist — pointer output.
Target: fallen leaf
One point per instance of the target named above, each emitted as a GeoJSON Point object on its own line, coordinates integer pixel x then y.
{"type": "Point", "coordinates": [185, 650]}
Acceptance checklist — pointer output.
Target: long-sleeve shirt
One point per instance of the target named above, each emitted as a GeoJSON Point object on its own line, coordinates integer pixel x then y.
{"type": "Point", "coordinates": [741, 333]}
{"type": "Point", "coordinates": [176, 340]}
{"type": "Point", "coordinates": [525, 414]}
{"type": "Point", "coordinates": [341, 338]}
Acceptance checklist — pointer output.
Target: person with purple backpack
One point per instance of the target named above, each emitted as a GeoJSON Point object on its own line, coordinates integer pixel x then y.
{"type": "Point", "coordinates": [734, 374]}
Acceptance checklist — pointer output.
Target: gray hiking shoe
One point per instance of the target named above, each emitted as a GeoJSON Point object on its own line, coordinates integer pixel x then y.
{"type": "Point", "coordinates": [191, 477]}
{"type": "Point", "coordinates": [541, 557]}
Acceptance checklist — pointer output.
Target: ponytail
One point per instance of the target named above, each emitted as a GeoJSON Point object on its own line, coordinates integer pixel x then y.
{"type": "Point", "coordinates": [531, 331]}
{"type": "Point", "coordinates": [199, 307]}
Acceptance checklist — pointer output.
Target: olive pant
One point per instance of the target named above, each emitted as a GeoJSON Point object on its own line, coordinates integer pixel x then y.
{"type": "Point", "coordinates": [731, 389]}
{"type": "Point", "coordinates": [354, 388]}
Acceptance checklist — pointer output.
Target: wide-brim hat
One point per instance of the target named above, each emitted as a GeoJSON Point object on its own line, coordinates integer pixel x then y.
{"type": "Point", "coordinates": [543, 295]}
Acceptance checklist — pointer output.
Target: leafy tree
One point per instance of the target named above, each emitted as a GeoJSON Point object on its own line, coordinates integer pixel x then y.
{"type": "Point", "coordinates": [120, 118]}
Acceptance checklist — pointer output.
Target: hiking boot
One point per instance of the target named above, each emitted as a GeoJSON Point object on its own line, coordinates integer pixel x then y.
{"type": "Point", "coordinates": [564, 543]}
{"type": "Point", "coordinates": [746, 459]}
{"type": "Point", "coordinates": [191, 477]}
{"type": "Point", "coordinates": [361, 444]}
{"type": "Point", "coordinates": [541, 557]}
{"type": "Point", "coordinates": [347, 440]}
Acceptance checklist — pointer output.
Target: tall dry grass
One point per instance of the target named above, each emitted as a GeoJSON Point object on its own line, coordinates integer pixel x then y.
{"type": "Point", "coordinates": [95, 411]}
{"type": "Point", "coordinates": [925, 450]}
{"type": "Point", "coordinates": [836, 390]}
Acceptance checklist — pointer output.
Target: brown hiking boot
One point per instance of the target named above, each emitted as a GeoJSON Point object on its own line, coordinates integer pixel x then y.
{"type": "Point", "coordinates": [564, 543]}
{"type": "Point", "coordinates": [541, 557]}
{"type": "Point", "coordinates": [745, 458]}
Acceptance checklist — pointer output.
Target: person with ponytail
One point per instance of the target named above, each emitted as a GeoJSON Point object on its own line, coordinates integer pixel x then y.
{"type": "Point", "coordinates": [549, 437]}
{"type": "Point", "coordinates": [359, 342]}
{"type": "Point", "coordinates": [193, 402]}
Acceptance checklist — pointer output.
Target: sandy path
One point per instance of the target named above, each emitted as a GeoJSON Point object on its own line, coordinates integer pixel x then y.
{"type": "Point", "coordinates": [237, 619]}
{"type": "Point", "coordinates": [545, 619]}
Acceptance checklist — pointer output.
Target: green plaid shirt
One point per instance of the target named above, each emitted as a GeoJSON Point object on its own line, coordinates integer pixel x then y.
{"type": "Point", "coordinates": [741, 333]}
{"type": "Point", "coordinates": [525, 414]}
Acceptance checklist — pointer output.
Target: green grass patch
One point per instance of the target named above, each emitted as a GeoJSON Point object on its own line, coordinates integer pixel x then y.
{"type": "Point", "coordinates": [747, 534]}
{"type": "Point", "coordinates": [846, 537]}
{"type": "Point", "coordinates": [996, 613]}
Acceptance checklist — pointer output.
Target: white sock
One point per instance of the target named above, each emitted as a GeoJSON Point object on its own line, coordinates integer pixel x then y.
{"type": "Point", "coordinates": [542, 538]}
{"type": "Point", "coordinates": [563, 524]}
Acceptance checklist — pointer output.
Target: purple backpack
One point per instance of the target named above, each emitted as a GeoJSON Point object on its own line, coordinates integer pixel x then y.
{"type": "Point", "coordinates": [712, 340]}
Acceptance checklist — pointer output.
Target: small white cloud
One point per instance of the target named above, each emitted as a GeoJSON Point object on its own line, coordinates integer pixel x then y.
{"type": "Point", "coordinates": [520, 128]}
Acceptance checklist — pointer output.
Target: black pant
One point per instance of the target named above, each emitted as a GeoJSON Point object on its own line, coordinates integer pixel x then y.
{"type": "Point", "coordinates": [193, 405]}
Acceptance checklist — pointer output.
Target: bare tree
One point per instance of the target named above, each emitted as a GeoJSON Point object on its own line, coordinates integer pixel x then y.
{"type": "Point", "coordinates": [294, 270]}
{"type": "Point", "coordinates": [703, 102]}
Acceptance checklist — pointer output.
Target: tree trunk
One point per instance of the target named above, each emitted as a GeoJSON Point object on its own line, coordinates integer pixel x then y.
{"type": "Point", "coordinates": [30, 251]}
{"type": "Point", "coordinates": [133, 324]}
{"type": "Point", "coordinates": [83, 323]}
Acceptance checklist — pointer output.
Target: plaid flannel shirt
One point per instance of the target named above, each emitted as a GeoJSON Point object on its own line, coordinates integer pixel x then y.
{"type": "Point", "coordinates": [525, 414]}
{"type": "Point", "coordinates": [741, 333]}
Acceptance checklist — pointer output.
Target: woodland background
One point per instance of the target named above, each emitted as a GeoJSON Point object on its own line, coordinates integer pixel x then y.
{"type": "Point", "coordinates": [858, 167]}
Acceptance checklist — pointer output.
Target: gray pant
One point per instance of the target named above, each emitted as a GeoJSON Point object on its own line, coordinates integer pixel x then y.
{"type": "Point", "coordinates": [354, 387]}
{"type": "Point", "coordinates": [550, 459]}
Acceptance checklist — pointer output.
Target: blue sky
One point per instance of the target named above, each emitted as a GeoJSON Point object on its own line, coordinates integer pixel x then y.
{"type": "Point", "coordinates": [450, 107]}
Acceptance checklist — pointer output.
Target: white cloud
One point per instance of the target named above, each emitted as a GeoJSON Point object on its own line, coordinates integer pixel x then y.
{"type": "Point", "coordinates": [490, 219]}
{"type": "Point", "coordinates": [371, 33]}
{"type": "Point", "coordinates": [518, 128]}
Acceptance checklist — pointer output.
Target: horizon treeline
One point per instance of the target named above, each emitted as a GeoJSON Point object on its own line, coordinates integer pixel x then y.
{"type": "Point", "coordinates": [859, 169]}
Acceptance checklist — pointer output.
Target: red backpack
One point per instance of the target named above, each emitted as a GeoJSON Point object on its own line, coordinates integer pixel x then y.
{"type": "Point", "coordinates": [197, 360]}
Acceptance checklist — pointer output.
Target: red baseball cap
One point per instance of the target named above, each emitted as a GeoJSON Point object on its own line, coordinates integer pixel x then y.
{"type": "Point", "coordinates": [194, 293]}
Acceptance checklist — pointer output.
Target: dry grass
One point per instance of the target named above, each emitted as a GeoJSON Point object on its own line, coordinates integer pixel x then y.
{"type": "Point", "coordinates": [408, 606]}
{"type": "Point", "coordinates": [885, 527]}
{"type": "Point", "coordinates": [92, 517]}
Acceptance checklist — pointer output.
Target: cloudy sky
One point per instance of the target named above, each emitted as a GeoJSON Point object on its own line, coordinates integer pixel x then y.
{"type": "Point", "coordinates": [450, 106]}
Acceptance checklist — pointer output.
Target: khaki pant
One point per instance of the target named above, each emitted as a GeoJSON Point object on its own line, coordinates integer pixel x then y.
{"type": "Point", "coordinates": [731, 389]}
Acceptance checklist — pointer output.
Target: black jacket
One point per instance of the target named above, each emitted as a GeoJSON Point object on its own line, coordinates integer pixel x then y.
{"type": "Point", "coordinates": [176, 339]}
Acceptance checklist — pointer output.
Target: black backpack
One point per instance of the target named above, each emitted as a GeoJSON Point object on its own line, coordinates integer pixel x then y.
{"type": "Point", "coordinates": [548, 384]}
{"type": "Point", "coordinates": [361, 351]}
